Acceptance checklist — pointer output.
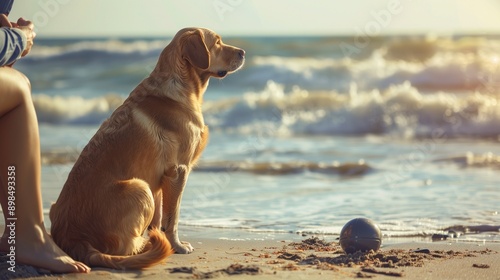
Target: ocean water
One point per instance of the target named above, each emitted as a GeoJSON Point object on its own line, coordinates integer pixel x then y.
{"type": "Point", "coordinates": [312, 132]}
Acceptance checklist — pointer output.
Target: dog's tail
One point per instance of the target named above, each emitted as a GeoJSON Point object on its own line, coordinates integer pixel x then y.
{"type": "Point", "coordinates": [156, 251]}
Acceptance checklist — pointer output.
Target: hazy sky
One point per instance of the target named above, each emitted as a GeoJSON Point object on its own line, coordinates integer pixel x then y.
{"type": "Point", "coordinates": [258, 17]}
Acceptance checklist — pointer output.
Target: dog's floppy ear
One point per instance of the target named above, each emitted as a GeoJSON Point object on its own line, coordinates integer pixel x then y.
{"type": "Point", "coordinates": [195, 51]}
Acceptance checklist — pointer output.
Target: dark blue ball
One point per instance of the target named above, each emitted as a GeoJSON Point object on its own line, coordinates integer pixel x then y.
{"type": "Point", "coordinates": [360, 234]}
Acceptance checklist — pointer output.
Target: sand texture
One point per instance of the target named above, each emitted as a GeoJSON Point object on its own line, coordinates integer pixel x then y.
{"type": "Point", "coordinates": [310, 258]}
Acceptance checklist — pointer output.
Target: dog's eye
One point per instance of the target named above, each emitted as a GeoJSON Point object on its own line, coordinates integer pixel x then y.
{"type": "Point", "coordinates": [218, 42]}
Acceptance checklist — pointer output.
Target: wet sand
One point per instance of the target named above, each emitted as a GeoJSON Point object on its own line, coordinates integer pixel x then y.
{"type": "Point", "coordinates": [306, 258]}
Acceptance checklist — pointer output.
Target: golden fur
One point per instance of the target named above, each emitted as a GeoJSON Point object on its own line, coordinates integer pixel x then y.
{"type": "Point", "coordinates": [132, 173]}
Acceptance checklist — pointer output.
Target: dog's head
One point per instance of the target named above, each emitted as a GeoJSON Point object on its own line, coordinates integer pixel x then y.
{"type": "Point", "coordinates": [204, 50]}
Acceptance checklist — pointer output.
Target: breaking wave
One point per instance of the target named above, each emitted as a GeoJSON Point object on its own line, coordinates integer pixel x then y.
{"type": "Point", "coordinates": [401, 110]}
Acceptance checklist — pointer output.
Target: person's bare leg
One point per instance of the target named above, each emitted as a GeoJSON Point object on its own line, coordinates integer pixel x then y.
{"type": "Point", "coordinates": [20, 147]}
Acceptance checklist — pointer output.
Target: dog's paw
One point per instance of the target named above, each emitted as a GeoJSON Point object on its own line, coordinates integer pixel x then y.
{"type": "Point", "coordinates": [183, 248]}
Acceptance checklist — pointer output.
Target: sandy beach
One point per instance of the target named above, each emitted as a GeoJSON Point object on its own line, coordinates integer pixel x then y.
{"type": "Point", "coordinates": [308, 257]}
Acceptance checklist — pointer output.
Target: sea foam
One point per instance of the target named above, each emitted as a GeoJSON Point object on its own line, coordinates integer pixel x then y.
{"type": "Point", "coordinates": [399, 110]}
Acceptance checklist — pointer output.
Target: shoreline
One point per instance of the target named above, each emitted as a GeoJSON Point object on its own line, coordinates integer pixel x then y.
{"type": "Point", "coordinates": [296, 257]}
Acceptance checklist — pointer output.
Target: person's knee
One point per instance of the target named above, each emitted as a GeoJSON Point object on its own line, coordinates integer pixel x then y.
{"type": "Point", "coordinates": [23, 87]}
{"type": "Point", "coordinates": [26, 82]}
{"type": "Point", "coordinates": [14, 80]}
{"type": "Point", "coordinates": [15, 90]}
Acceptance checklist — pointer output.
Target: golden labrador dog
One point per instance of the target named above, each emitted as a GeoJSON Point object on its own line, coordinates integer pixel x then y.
{"type": "Point", "coordinates": [131, 175]}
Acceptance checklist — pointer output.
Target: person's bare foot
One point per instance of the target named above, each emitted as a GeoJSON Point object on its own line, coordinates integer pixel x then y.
{"type": "Point", "coordinates": [42, 252]}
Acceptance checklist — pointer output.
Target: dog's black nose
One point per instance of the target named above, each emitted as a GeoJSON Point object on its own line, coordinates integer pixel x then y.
{"type": "Point", "coordinates": [242, 53]}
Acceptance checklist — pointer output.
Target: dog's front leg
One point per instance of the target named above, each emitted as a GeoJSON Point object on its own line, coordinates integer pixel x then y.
{"type": "Point", "coordinates": [176, 178]}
